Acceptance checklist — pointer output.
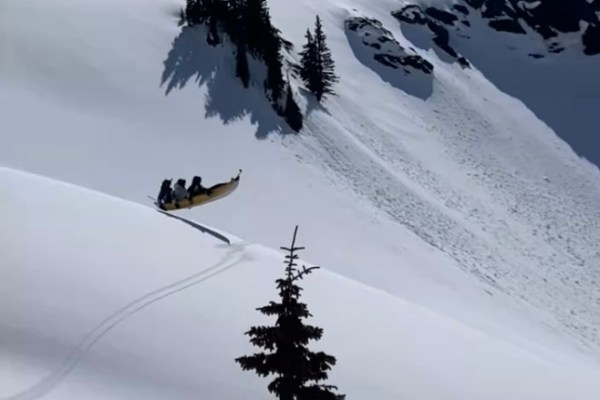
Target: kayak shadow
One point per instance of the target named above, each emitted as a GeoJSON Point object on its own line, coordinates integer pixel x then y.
{"type": "Point", "coordinates": [197, 226]}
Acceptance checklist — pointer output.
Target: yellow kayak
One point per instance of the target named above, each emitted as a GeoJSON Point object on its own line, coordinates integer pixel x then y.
{"type": "Point", "coordinates": [213, 193]}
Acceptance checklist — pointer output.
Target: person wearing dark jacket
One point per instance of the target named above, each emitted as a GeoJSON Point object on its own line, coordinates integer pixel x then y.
{"type": "Point", "coordinates": [196, 187]}
{"type": "Point", "coordinates": [165, 195]}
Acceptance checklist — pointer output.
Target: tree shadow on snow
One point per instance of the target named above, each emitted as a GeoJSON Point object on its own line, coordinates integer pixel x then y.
{"type": "Point", "coordinates": [192, 58]}
{"type": "Point", "coordinates": [416, 83]}
{"type": "Point", "coordinates": [311, 103]}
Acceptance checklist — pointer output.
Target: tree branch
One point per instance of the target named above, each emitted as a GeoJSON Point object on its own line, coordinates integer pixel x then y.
{"type": "Point", "coordinates": [304, 271]}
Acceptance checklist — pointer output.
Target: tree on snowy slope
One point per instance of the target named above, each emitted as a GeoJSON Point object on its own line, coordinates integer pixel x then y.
{"type": "Point", "coordinates": [257, 25]}
{"type": "Point", "coordinates": [248, 25]}
{"type": "Point", "coordinates": [317, 67]}
{"type": "Point", "coordinates": [194, 12]}
{"type": "Point", "coordinates": [209, 12]}
{"type": "Point", "coordinates": [289, 358]}
{"type": "Point", "coordinates": [241, 64]}
{"type": "Point", "coordinates": [308, 61]}
{"type": "Point", "coordinates": [274, 84]}
{"type": "Point", "coordinates": [234, 27]}
{"type": "Point", "coordinates": [264, 42]}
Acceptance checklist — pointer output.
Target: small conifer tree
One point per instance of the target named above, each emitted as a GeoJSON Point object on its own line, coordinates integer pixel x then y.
{"type": "Point", "coordinates": [241, 63]}
{"type": "Point", "coordinates": [317, 65]}
{"type": "Point", "coordinates": [289, 358]}
{"type": "Point", "coordinates": [308, 61]}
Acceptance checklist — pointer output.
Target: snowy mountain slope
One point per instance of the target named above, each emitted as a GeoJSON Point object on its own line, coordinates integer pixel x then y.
{"type": "Point", "coordinates": [547, 71]}
{"type": "Point", "coordinates": [468, 203]}
{"type": "Point", "coordinates": [149, 307]}
{"type": "Point", "coordinates": [515, 206]}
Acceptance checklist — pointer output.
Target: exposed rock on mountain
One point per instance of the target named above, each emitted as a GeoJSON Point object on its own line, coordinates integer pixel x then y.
{"type": "Point", "coordinates": [433, 19]}
{"type": "Point", "coordinates": [385, 49]}
{"type": "Point", "coordinates": [549, 18]}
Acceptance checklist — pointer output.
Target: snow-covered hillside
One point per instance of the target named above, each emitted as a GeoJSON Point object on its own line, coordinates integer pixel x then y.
{"type": "Point", "coordinates": [449, 189]}
{"type": "Point", "coordinates": [106, 299]}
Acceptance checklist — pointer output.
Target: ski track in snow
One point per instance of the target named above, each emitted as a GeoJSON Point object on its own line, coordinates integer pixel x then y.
{"type": "Point", "coordinates": [53, 379]}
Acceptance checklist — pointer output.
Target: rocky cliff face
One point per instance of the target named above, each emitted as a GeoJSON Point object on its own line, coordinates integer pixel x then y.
{"type": "Point", "coordinates": [434, 19]}
{"type": "Point", "coordinates": [549, 18]}
{"type": "Point", "coordinates": [384, 48]}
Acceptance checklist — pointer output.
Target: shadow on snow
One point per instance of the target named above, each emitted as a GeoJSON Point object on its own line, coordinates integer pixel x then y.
{"type": "Point", "coordinates": [191, 58]}
{"type": "Point", "coordinates": [195, 225]}
{"type": "Point", "coordinates": [562, 90]}
{"type": "Point", "coordinates": [416, 83]}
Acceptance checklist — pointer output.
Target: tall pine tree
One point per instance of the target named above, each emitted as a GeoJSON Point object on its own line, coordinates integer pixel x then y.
{"type": "Point", "coordinates": [308, 62]}
{"type": "Point", "coordinates": [257, 23]}
{"type": "Point", "coordinates": [317, 65]}
{"type": "Point", "coordinates": [241, 63]}
{"type": "Point", "coordinates": [289, 358]}
{"type": "Point", "coordinates": [248, 25]}
{"type": "Point", "coordinates": [209, 12]}
{"type": "Point", "coordinates": [235, 28]}
{"type": "Point", "coordinates": [274, 61]}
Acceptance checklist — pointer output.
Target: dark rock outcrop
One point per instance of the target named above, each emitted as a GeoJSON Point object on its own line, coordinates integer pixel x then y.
{"type": "Point", "coordinates": [411, 14]}
{"type": "Point", "coordinates": [560, 15]}
{"type": "Point", "coordinates": [507, 25]}
{"type": "Point", "coordinates": [442, 16]}
{"type": "Point", "coordinates": [386, 50]}
{"type": "Point", "coordinates": [549, 18]}
{"type": "Point", "coordinates": [591, 40]}
{"type": "Point", "coordinates": [461, 9]}
{"type": "Point", "coordinates": [376, 48]}
{"type": "Point", "coordinates": [475, 3]}
{"type": "Point", "coordinates": [433, 19]}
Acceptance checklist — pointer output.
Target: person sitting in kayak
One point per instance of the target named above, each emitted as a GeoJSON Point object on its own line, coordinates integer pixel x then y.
{"type": "Point", "coordinates": [196, 187]}
{"type": "Point", "coordinates": [179, 191]}
{"type": "Point", "coordinates": [165, 195]}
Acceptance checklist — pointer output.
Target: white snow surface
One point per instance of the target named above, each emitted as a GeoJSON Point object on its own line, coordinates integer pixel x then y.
{"type": "Point", "coordinates": [119, 301]}
{"type": "Point", "coordinates": [453, 198]}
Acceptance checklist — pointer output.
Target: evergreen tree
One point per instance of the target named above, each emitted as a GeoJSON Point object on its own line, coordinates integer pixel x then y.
{"type": "Point", "coordinates": [190, 12]}
{"type": "Point", "coordinates": [263, 41]}
{"type": "Point", "coordinates": [274, 61]}
{"type": "Point", "coordinates": [292, 112]}
{"type": "Point", "coordinates": [196, 12]}
{"type": "Point", "coordinates": [289, 358]}
{"type": "Point", "coordinates": [317, 66]}
{"type": "Point", "coordinates": [257, 25]}
{"type": "Point", "coordinates": [326, 65]}
{"type": "Point", "coordinates": [217, 11]}
{"type": "Point", "coordinates": [233, 25]}
{"type": "Point", "coordinates": [233, 21]}
{"type": "Point", "coordinates": [308, 62]}
{"type": "Point", "coordinates": [210, 12]}
{"type": "Point", "coordinates": [212, 37]}
{"type": "Point", "coordinates": [248, 24]}
{"type": "Point", "coordinates": [241, 63]}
